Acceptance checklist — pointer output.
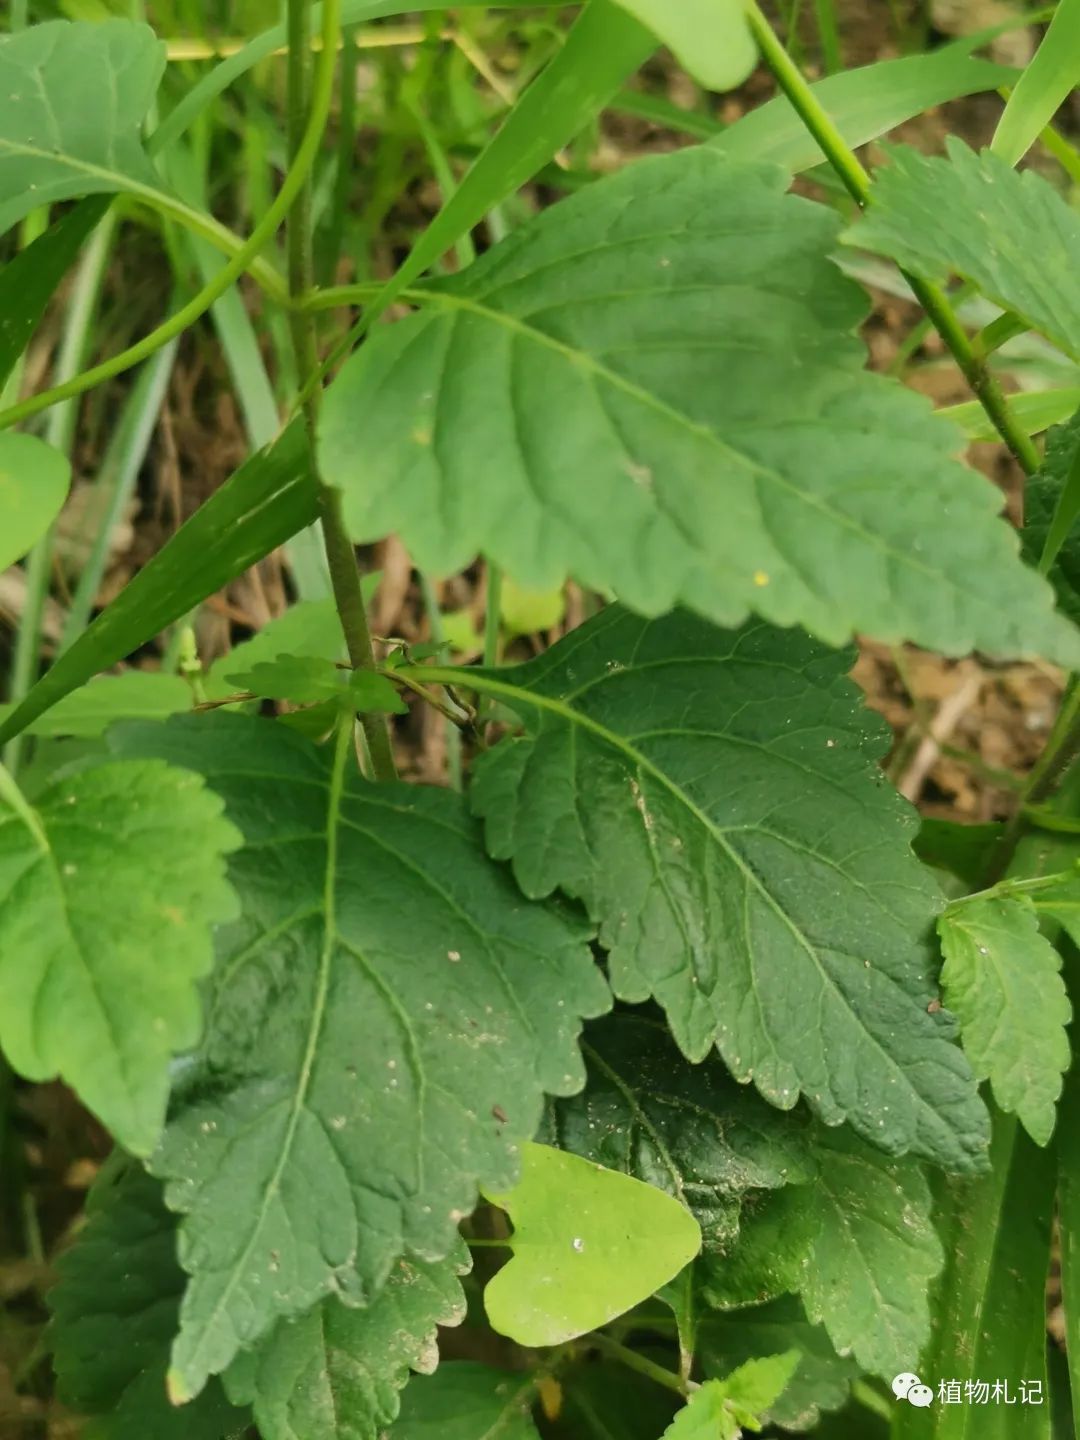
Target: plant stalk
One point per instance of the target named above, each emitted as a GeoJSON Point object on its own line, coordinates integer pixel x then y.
{"type": "Point", "coordinates": [340, 554]}
{"type": "Point", "coordinates": [641, 1363]}
{"type": "Point", "coordinates": [857, 182]}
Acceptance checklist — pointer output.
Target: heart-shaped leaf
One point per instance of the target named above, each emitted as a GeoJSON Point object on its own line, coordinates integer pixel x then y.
{"type": "Point", "coordinates": [588, 1244]}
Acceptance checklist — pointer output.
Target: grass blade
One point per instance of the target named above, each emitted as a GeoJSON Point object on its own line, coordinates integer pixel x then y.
{"type": "Point", "coordinates": [1043, 86]}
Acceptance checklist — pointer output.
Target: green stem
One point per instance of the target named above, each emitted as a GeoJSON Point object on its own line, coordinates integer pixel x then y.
{"type": "Point", "coordinates": [641, 1363]}
{"type": "Point", "coordinates": [292, 186]}
{"type": "Point", "coordinates": [493, 616]}
{"type": "Point", "coordinates": [828, 35]}
{"type": "Point", "coordinates": [340, 554]}
{"type": "Point", "coordinates": [857, 182]}
{"type": "Point", "coordinates": [1006, 889]}
{"type": "Point", "coordinates": [1060, 751]}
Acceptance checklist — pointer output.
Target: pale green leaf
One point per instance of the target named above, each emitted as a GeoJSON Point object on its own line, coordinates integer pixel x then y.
{"type": "Point", "coordinates": [710, 38]}
{"type": "Point", "coordinates": [523, 612]}
{"type": "Point", "coordinates": [757, 1385]}
{"type": "Point", "coordinates": [588, 1245]}
{"type": "Point", "coordinates": [335, 1373]}
{"type": "Point", "coordinates": [1049, 527]}
{"type": "Point", "coordinates": [714, 798]}
{"type": "Point", "coordinates": [114, 1310]}
{"type": "Point", "coordinates": [132, 695]}
{"type": "Point", "coordinates": [973, 215]}
{"type": "Point", "coordinates": [109, 888]}
{"type": "Point", "coordinates": [1045, 84]}
{"type": "Point", "coordinates": [706, 1416]}
{"type": "Point", "coordinates": [864, 104]}
{"type": "Point", "coordinates": [1002, 980]}
{"type": "Point", "coordinates": [73, 98]}
{"type": "Point", "coordinates": [867, 1275]}
{"type": "Point", "coordinates": [384, 1021]}
{"type": "Point", "coordinates": [309, 681]}
{"type": "Point", "coordinates": [701, 371]}
{"type": "Point", "coordinates": [311, 627]}
{"type": "Point", "coordinates": [34, 481]}
{"type": "Point", "coordinates": [688, 1129]}
{"type": "Point", "coordinates": [822, 1378]}
{"type": "Point", "coordinates": [464, 1400]}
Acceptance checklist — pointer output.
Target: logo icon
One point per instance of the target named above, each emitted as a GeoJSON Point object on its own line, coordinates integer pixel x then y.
{"type": "Point", "coordinates": [907, 1386]}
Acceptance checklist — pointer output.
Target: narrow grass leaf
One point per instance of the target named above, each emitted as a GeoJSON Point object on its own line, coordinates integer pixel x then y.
{"type": "Point", "coordinates": [1044, 86]}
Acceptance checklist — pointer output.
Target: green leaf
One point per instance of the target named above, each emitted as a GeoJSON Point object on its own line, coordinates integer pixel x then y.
{"type": "Point", "coordinates": [864, 104]}
{"type": "Point", "coordinates": [972, 215]}
{"type": "Point", "coordinates": [867, 1275]}
{"type": "Point", "coordinates": [92, 708]}
{"type": "Point", "coordinates": [524, 612]}
{"type": "Point", "coordinates": [384, 1021]}
{"type": "Point", "coordinates": [687, 1129]}
{"type": "Point", "coordinates": [714, 799]}
{"type": "Point", "coordinates": [308, 680]}
{"type": "Point", "coordinates": [822, 1378]}
{"type": "Point", "coordinates": [588, 1245]}
{"type": "Point", "coordinates": [1033, 410]}
{"type": "Point", "coordinates": [310, 627]}
{"type": "Point", "coordinates": [114, 1310]}
{"type": "Point", "coordinates": [709, 38]}
{"type": "Point", "coordinates": [1050, 515]}
{"type": "Point", "coordinates": [270, 498]}
{"type": "Point", "coordinates": [109, 887]}
{"type": "Point", "coordinates": [467, 1401]}
{"type": "Point", "coordinates": [34, 481]}
{"type": "Point", "coordinates": [1068, 1214]}
{"type": "Point", "coordinates": [1044, 86]}
{"type": "Point", "coordinates": [605, 337]}
{"type": "Point", "coordinates": [706, 1416]}
{"type": "Point", "coordinates": [335, 1373]}
{"type": "Point", "coordinates": [766, 1258]}
{"type": "Point", "coordinates": [857, 1244]}
{"type": "Point", "coordinates": [73, 98]}
{"type": "Point", "coordinates": [989, 1308]}
{"type": "Point", "coordinates": [1002, 980]}
{"type": "Point", "coordinates": [720, 1407]}
{"type": "Point", "coordinates": [28, 281]}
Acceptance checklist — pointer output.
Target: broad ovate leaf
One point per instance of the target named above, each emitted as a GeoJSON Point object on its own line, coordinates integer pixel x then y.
{"type": "Point", "coordinates": [588, 1245]}
{"type": "Point", "coordinates": [465, 1400]}
{"type": "Point", "coordinates": [687, 1129]}
{"type": "Point", "coordinates": [109, 888]}
{"type": "Point", "coordinates": [384, 1021]}
{"type": "Point", "coordinates": [34, 481]}
{"type": "Point", "coordinates": [714, 799]}
{"type": "Point", "coordinates": [114, 1310]}
{"type": "Point", "coordinates": [971, 214]}
{"type": "Point", "coordinates": [640, 391]}
{"type": "Point", "coordinates": [336, 1372]}
{"type": "Point", "coordinates": [1002, 980]}
{"type": "Point", "coordinates": [709, 38]}
{"type": "Point", "coordinates": [132, 695]}
{"type": "Point", "coordinates": [73, 98]}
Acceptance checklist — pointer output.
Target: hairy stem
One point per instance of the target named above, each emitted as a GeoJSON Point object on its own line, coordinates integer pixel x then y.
{"type": "Point", "coordinates": [857, 182]}
{"type": "Point", "coordinates": [340, 554]}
